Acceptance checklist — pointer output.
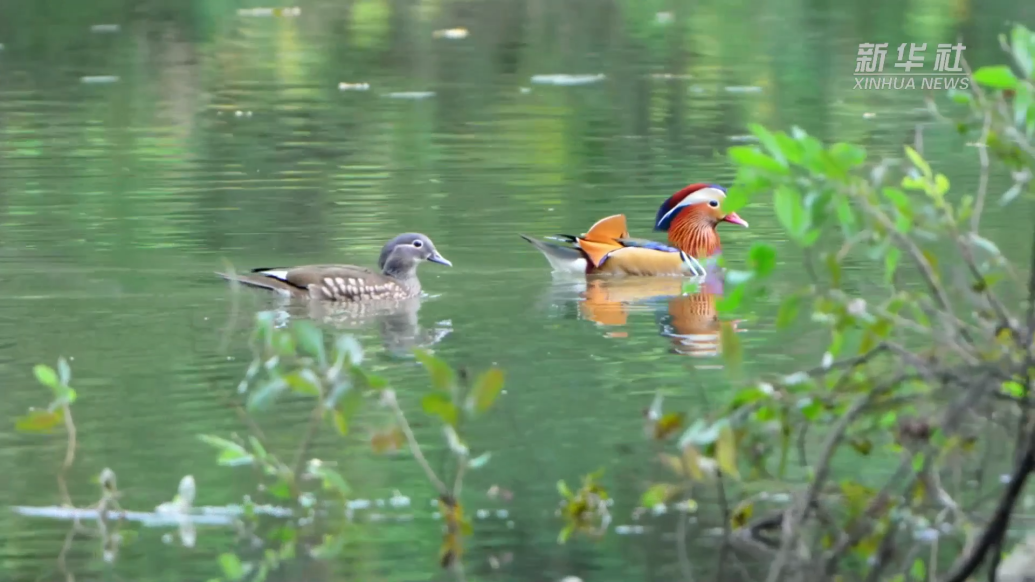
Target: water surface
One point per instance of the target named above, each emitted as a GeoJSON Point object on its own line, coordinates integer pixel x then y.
{"type": "Point", "coordinates": [145, 146]}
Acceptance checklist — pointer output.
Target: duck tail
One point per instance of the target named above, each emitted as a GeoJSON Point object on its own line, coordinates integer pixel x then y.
{"type": "Point", "coordinates": [257, 281]}
{"type": "Point", "coordinates": [564, 259]}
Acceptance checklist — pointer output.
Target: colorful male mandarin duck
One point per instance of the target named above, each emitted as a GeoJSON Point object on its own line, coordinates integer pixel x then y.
{"type": "Point", "coordinates": [606, 249]}
{"type": "Point", "coordinates": [690, 217]}
{"type": "Point", "coordinates": [351, 284]}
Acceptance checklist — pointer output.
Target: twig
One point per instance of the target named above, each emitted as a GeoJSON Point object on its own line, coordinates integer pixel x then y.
{"type": "Point", "coordinates": [982, 191]}
{"type": "Point", "coordinates": [724, 505]}
{"type": "Point", "coordinates": [388, 397]}
{"type": "Point", "coordinates": [996, 528]}
{"type": "Point", "coordinates": [307, 440]}
{"type": "Point", "coordinates": [458, 481]}
{"type": "Point", "coordinates": [798, 512]}
{"type": "Point", "coordinates": [66, 465]}
{"type": "Point", "coordinates": [684, 559]}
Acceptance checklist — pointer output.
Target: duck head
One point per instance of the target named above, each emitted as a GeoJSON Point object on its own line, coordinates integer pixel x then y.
{"type": "Point", "coordinates": [403, 253]}
{"type": "Point", "coordinates": [690, 217]}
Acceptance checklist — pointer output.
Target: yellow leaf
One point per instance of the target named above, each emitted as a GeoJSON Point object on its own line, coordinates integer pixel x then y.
{"type": "Point", "coordinates": [340, 423]}
{"type": "Point", "coordinates": [673, 463]}
{"type": "Point", "coordinates": [693, 462]}
{"type": "Point", "coordinates": [487, 388]}
{"type": "Point", "coordinates": [657, 494]}
{"type": "Point", "coordinates": [668, 424]}
{"type": "Point", "coordinates": [726, 452]}
{"type": "Point", "coordinates": [741, 514]}
{"type": "Point", "coordinates": [861, 445]}
{"type": "Point", "coordinates": [731, 348]}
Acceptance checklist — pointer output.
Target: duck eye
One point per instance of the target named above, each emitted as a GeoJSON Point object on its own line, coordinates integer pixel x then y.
{"type": "Point", "coordinates": [713, 203]}
{"type": "Point", "coordinates": [418, 243]}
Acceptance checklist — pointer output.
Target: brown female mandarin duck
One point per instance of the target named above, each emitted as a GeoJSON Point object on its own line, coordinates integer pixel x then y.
{"type": "Point", "coordinates": [348, 283]}
{"type": "Point", "coordinates": [690, 216]}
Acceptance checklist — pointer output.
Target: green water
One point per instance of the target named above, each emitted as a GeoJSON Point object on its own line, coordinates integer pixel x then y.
{"type": "Point", "coordinates": [222, 137]}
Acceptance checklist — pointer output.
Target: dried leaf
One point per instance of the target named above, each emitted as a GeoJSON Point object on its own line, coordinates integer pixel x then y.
{"type": "Point", "coordinates": [668, 424]}
{"type": "Point", "coordinates": [741, 514]}
{"type": "Point", "coordinates": [387, 440]}
{"type": "Point", "coordinates": [39, 420]}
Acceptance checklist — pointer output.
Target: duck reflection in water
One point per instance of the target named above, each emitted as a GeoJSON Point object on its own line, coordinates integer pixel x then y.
{"type": "Point", "coordinates": [397, 322]}
{"type": "Point", "coordinates": [690, 319]}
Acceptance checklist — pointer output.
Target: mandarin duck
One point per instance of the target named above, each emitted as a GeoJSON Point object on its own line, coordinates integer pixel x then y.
{"type": "Point", "coordinates": [690, 216]}
{"type": "Point", "coordinates": [606, 249]}
{"type": "Point", "coordinates": [351, 284]}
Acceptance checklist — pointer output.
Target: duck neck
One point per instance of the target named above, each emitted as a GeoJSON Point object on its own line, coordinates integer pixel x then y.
{"type": "Point", "coordinates": [694, 234]}
{"type": "Point", "coordinates": [403, 271]}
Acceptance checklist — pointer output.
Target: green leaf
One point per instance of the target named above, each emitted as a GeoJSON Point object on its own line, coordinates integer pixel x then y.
{"type": "Point", "coordinates": [64, 372]}
{"type": "Point", "coordinates": [442, 375]}
{"type": "Point", "coordinates": [788, 311]}
{"type": "Point", "coordinates": [996, 77]}
{"type": "Point", "coordinates": [47, 376]}
{"type": "Point", "coordinates": [332, 480]}
{"type": "Point", "coordinates": [1022, 45]}
{"type": "Point", "coordinates": [367, 381]}
{"type": "Point", "coordinates": [891, 264]}
{"type": "Point", "coordinates": [303, 381]}
{"type": "Point", "coordinates": [790, 211]}
{"type": "Point", "coordinates": [762, 258]}
{"type": "Point", "coordinates": [751, 157]}
{"type": "Point", "coordinates": [846, 216]}
{"type": "Point", "coordinates": [834, 268]}
{"type": "Point", "coordinates": [770, 142]}
{"type": "Point", "coordinates": [479, 461]}
{"type": "Point", "coordinates": [736, 198]}
{"type": "Point", "coordinates": [565, 533]}
{"type": "Point", "coordinates": [39, 420]}
{"type": "Point", "coordinates": [346, 346]}
{"type": "Point", "coordinates": [332, 546]}
{"type": "Point", "coordinates": [732, 352]}
{"type": "Point", "coordinates": [918, 570]}
{"type": "Point", "coordinates": [701, 434]}
{"type": "Point", "coordinates": [230, 453]}
{"type": "Point", "coordinates": [266, 393]}
{"type": "Point", "coordinates": [486, 389]}
{"type": "Point", "coordinates": [310, 339]}
{"type": "Point", "coordinates": [657, 494]}
{"type": "Point", "coordinates": [562, 488]}
{"type": "Point", "coordinates": [848, 155]}
{"type": "Point", "coordinates": [1014, 389]}
{"type": "Point", "coordinates": [918, 161]}
{"type": "Point", "coordinates": [340, 423]}
{"type": "Point", "coordinates": [257, 448]}
{"type": "Point", "coordinates": [437, 404]}
{"type": "Point", "coordinates": [232, 567]}
{"type": "Point", "coordinates": [732, 299]}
